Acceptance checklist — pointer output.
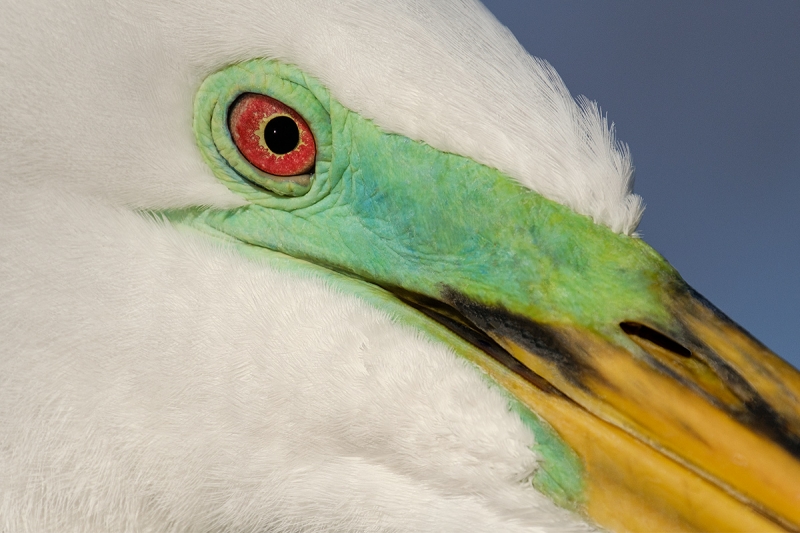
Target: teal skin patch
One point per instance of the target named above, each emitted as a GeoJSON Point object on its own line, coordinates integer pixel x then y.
{"type": "Point", "coordinates": [398, 213]}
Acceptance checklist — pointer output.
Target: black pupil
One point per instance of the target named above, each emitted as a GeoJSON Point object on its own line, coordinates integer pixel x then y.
{"type": "Point", "coordinates": [281, 135]}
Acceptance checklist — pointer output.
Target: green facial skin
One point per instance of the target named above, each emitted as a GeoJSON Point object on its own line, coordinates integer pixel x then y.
{"type": "Point", "coordinates": [398, 213]}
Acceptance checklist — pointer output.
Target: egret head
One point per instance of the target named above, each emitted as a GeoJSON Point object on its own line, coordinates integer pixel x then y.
{"type": "Point", "coordinates": [418, 154]}
{"type": "Point", "coordinates": [583, 316]}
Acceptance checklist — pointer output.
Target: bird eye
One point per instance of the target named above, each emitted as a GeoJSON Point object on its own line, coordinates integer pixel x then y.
{"type": "Point", "coordinates": [272, 136]}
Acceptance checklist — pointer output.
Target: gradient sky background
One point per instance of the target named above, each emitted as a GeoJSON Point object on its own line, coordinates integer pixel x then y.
{"type": "Point", "coordinates": [707, 96]}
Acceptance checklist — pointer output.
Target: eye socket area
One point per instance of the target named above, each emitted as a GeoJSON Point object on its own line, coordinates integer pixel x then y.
{"type": "Point", "coordinates": [271, 136]}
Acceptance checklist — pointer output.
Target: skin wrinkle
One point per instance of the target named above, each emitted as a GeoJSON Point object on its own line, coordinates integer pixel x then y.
{"type": "Point", "coordinates": [362, 219]}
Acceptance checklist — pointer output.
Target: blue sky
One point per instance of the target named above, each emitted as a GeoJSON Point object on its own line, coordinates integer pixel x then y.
{"type": "Point", "coordinates": [707, 96]}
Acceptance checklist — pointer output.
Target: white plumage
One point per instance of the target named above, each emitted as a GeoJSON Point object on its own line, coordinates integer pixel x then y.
{"type": "Point", "coordinates": [155, 381]}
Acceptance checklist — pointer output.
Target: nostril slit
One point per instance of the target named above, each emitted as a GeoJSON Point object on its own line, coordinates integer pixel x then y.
{"type": "Point", "coordinates": [634, 329]}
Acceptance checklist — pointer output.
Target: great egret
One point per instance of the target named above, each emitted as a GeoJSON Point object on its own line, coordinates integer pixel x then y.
{"type": "Point", "coordinates": [206, 330]}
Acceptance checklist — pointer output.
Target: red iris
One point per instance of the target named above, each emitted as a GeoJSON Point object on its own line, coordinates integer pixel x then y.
{"type": "Point", "coordinates": [271, 135]}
